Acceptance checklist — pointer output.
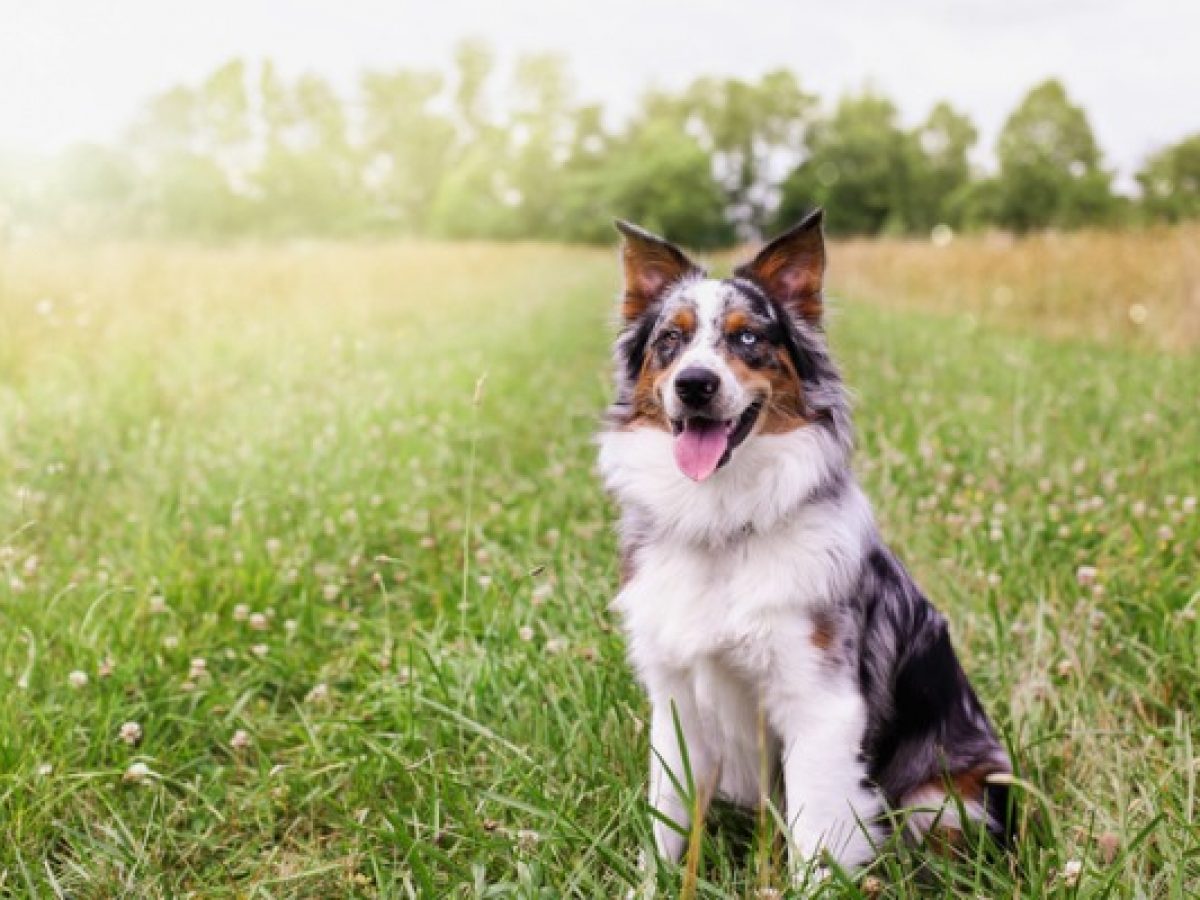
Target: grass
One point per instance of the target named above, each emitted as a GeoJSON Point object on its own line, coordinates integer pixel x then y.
{"type": "Point", "coordinates": [1139, 289]}
{"type": "Point", "coordinates": [356, 482]}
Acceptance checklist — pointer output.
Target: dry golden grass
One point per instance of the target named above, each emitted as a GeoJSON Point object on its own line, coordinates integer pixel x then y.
{"type": "Point", "coordinates": [1140, 287]}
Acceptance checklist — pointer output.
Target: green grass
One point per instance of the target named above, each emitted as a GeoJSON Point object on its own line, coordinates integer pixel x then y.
{"type": "Point", "coordinates": [385, 452]}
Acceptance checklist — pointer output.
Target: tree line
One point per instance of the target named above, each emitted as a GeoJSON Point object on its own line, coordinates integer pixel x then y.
{"type": "Point", "coordinates": [416, 152]}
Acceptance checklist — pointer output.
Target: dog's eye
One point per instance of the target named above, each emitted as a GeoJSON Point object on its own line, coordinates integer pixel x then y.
{"type": "Point", "coordinates": [746, 338]}
{"type": "Point", "coordinates": [668, 340]}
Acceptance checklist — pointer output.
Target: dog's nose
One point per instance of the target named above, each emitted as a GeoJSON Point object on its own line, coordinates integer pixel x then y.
{"type": "Point", "coordinates": [696, 386]}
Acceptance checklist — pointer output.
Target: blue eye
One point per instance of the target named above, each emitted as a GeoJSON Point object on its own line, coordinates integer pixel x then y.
{"type": "Point", "coordinates": [747, 338]}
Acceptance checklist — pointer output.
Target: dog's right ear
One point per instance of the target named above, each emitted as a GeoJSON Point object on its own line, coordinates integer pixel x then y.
{"type": "Point", "coordinates": [651, 266]}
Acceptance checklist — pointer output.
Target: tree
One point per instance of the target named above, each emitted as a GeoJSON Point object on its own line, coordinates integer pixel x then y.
{"type": "Point", "coordinates": [309, 180]}
{"type": "Point", "coordinates": [941, 167]}
{"type": "Point", "coordinates": [859, 167]}
{"type": "Point", "coordinates": [656, 176]}
{"type": "Point", "coordinates": [1170, 182]}
{"type": "Point", "coordinates": [407, 146]}
{"type": "Point", "coordinates": [1050, 167]}
{"type": "Point", "coordinates": [753, 132]}
{"type": "Point", "coordinates": [473, 65]}
{"type": "Point", "coordinates": [541, 139]}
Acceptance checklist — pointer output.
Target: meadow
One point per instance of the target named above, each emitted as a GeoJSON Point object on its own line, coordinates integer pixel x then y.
{"type": "Point", "coordinates": [304, 566]}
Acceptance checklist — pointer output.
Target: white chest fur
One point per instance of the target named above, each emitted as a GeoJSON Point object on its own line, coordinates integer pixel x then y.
{"type": "Point", "coordinates": [728, 578]}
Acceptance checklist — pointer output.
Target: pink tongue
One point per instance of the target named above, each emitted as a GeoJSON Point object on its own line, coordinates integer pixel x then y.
{"type": "Point", "coordinates": [699, 447]}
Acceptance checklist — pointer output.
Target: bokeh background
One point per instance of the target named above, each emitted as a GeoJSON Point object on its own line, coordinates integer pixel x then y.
{"type": "Point", "coordinates": [305, 326]}
{"type": "Point", "coordinates": [714, 121]}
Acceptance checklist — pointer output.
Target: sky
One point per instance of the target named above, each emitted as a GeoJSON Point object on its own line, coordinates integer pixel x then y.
{"type": "Point", "coordinates": [79, 69]}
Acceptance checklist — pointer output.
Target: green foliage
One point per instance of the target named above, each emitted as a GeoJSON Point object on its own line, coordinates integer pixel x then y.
{"type": "Point", "coordinates": [859, 167]}
{"type": "Point", "coordinates": [659, 177]}
{"type": "Point", "coordinates": [1170, 182]}
{"type": "Point", "coordinates": [939, 166]}
{"type": "Point", "coordinates": [1050, 172]}
{"type": "Point", "coordinates": [415, 152]}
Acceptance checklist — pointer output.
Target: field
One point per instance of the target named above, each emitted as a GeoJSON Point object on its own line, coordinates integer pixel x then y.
{"type": "Point", "coordinates": [304, 566]}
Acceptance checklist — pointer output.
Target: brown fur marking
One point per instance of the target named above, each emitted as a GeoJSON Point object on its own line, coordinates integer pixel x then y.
{"type": "Point", "coordinates": [822, 630]}
{"type": "Point", "coordinates": [779, 386]}
{"type": "Point", "coordinates": [647, 409]}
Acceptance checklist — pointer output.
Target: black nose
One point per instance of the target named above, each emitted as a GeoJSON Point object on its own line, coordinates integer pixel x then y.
{"type": "Point", "coordinates": [696, 386]}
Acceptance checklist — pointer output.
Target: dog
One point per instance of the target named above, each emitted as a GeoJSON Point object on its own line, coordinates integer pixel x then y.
{"type": "Point", "coordinates": [782, 645]}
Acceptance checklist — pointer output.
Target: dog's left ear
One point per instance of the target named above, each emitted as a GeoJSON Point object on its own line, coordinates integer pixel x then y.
{"type": "Point", "coordinates": [652, 265]}
{"type": "Point", "coordinates": [791, 268]}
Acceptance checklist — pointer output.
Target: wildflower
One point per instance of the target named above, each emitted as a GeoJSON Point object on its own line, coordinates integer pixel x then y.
{"type": "Point", "coordinates": [78, 679]}
{"type": "Point", "coordinates": [330, 592]}
{"type": "Point", "coordinates": [45, 769]}
{"type": "Point", "coordinates": [1108, 843]}
{"type": "Point", "coordinates": [274, 545]}
{"type": "Point", "coordinates": [157, 605]}
{"type": "Point", "coordinates": [241, 612]}
{"type": "Point", "coordinates": [318, 694]}
{"type": "Point", "coordinates": [1086, 575]}
{"type": "Point", "coordinates": [1189, 504]}
{"type": "Point", "coordinates": [171, 641]}
{"type": "Point", "coordinates": [240, 740]}
{"type": "Point", "coordinates": [131, 733]}
{"type": "Point", "coordinates": [1165, 532]}
{"type": "Point", "coordinates": [258, 621]}
{"type": "Point", "coordinates": [137, 773]}
{"type": "Point", "coordinates": [527, 838]}
{"type": "Point", "coordinates": [1071, 872]}
{"type": "Point", "coordinates": [525, 633]}
{"type": "Point", "coordinates": [259, 650]}
{"type": "Point", "coordinates": [198, 668]}
{"type": "Point", "coordinates": [105, 669]}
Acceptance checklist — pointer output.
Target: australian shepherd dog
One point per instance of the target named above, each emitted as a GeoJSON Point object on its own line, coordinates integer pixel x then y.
{"type": "Point", "coordinates": [787, 654]}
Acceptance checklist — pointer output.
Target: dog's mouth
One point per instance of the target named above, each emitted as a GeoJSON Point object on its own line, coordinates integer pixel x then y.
{"type": "Point", "coordinates": [703, 445]}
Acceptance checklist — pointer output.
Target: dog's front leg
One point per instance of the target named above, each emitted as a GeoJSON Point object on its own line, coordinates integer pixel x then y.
{"type": "Point", "coordinates": [682, 778]}
{"type": "Point", "coordinates": [830, 805]}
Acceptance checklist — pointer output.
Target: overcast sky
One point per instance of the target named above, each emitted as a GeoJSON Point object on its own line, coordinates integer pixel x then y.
{"type": "Point", "coordinates": [78, 69]}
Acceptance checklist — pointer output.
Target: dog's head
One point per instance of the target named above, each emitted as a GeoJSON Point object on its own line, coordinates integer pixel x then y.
{"type": "Point", "coordinates": [718, 362]}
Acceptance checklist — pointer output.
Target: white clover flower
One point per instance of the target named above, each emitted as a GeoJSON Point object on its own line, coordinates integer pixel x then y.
{"type": "Point", "coordinates": [318, 694]}
{"type": "Point", "coordinates": [240, 740]}
{"type": "Point", "coordinates": [131, 733]}
{"type": "Point", "coordinates": [137, 773]}
{"type": "Point", "coordinates": [1072, 869]}
{"type": "Point", "coordinates": [78, 679]}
